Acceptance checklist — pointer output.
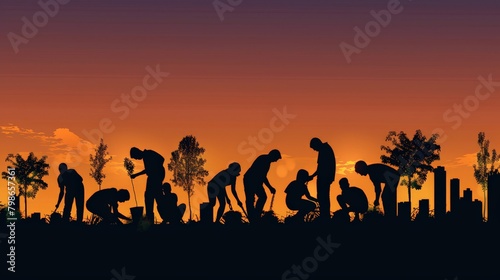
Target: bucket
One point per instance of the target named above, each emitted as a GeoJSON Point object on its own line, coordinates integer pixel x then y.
{"type": "Point", "coordinates": [136, 213]}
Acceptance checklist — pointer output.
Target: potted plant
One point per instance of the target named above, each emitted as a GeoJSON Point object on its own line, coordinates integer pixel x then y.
{"type": "Point", "coordinates": [136, 211]}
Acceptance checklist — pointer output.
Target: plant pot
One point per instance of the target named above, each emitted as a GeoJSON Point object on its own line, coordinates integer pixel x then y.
{"type": "Point", "coordinates": [136, 213]}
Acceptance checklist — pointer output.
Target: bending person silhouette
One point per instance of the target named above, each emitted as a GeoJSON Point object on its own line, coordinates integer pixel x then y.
{"type": "Point", "coordinates": [104, 203]}
{"type": "Point", "coordinates": [217, 188]}
{"type": "Point", "coordinates": [294, 193]}
{"type": "Point", "coordinates": [153, 168]}
{"type": "Point", "coordinates": [326, 175]}
{"type": "Point", "coordinates": [352, 199]}
{"type": "Point", "coordinates": [253, 181]}
{"type": "Point", "coordinates": [71, 187]}
{"type": "Point", "coordinates": [167, 206]}
{"type": "Point", "coordinates": [382, 174]}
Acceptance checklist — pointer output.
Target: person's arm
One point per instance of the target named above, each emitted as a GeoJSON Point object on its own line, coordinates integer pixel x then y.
{"type": "Point", "coordinates": [235, 194]}
{"type": "Point", "coordinates": [308, 195]}
{"type": "Point", "coordinates": [118, 214]}
{"type": "Point", "coordinates": [138, 174]}
{"type": "Point", "coordinates": [313, 175]}
{"type": "Point", "coordinates": [268, 185]}
{"type": "Point", "coordinates": [61, 192]}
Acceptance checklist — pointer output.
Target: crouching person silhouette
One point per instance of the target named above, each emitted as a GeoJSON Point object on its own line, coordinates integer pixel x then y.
{"type": "Point", "coordinates": [104, 203]}
{"type": "Point", "coordinates": [294, 193]}
{"type": "Point", "coordinates": [352, 199]}
{"type": "Point", "coordinates": [167, 206]}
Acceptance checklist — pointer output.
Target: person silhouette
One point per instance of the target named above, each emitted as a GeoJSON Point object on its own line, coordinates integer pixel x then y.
{"type": "Point", "coordinates": [253, 181]}
{"type": "Point", "coordinates": [104, 203]}
{"type": "Point", "coordinates": [352, 199]}
{"type": "Point", "coordinates": [167, 206]}
{"type": "Point", "coordinates": [71, 187]}
{"type": "Point", "coordinates": [154, 169]}
{"type": "Point", "coordinates": [325, 173]}
{"type": "Point", "coordinates": [217, 189]}
{"type": "Point", "coordinates": [382, 174]}
{"type": "Point", "coordinates": [294, 193]}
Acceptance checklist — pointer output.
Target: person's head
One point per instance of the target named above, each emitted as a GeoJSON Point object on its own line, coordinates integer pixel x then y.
{"type": "Point", "coordinates": [234, 169]}
{"type": "Point", "coordinates": [302, 176]}
{"type": "Point", "coordinates": [275, 155]}
{"type": "Point", "coordinates": [315, 144]}
{"type": "Point", "coordinates": [361, 168]}
{"type": "Point", "coordinates": [166, 188]}
{"type": "Point", "coordinates": [123, 195]}
{"type": "Point", "coordinates": [135, 153]}
{"type": "Point", "coordinates": [63, 167]}
{"type": "Point", "coordinates": [344, 183]}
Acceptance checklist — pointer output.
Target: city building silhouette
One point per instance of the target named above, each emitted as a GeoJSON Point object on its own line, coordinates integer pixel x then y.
{"type": "Point", "coordinates": [439, 192]}
{"type": "Point", "coordinates": [454, 195]}
{"type": "Point", "coordinates": [494, 198]}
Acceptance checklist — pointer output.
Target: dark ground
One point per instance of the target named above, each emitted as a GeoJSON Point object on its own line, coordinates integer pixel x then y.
{"type": "Point", "coordinates": [196, 251]}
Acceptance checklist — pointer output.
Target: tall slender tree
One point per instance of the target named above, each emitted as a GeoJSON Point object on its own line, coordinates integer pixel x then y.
{"type": "Point", "coordinates": [481, 168]}
{"type": "Point", "coordinates": [187, 164]}
{"type": "Point", "coordinates": [98, 162]}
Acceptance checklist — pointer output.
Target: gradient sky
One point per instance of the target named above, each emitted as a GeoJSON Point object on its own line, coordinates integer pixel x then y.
{"type": "Point", "coordinates": [228, 78]}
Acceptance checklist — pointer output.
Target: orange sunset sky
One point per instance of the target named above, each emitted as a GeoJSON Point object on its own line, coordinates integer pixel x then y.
{"type": "Point", "coordinates": [76, 79]}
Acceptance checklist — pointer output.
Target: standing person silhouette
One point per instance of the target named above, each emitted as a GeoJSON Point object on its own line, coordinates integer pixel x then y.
{"type": "Point", "coordinates": [153, 168]}
{"type": "Point", "coordinates": [382, 174]}
{"type": "Point", "coordinates": [326, 175]}
{"type": "Point", "coordinates": [253, 181]}
{"type": "Point", "coordinates": [217, 188]}
{"type": "Point", "coordinates": [70, 180]}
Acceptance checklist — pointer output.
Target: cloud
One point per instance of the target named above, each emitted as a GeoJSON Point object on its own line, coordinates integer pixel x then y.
{"type": "Point", "coordinates": [463, 160]}
{"type": "Point", "coordinates": [345, 167]}
{"type": "Point", "coordinates": [63, 145]}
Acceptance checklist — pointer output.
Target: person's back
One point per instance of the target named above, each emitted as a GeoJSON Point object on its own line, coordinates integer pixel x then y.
{"type": "Point", "coordinates": [71, 179]}
{"type": "Point", "coordinates": [356, 198]}
{"type": "Point", "coordinates": [153, 161]}
{"type": "Point", "coordinates": [103, 198]}
{"type": "Point", "coordinates": [381, 173]}
{"type": "Point", "coordinates": [295, 191]}
{"type": "Point", "coordinates": [326, 162]}
{"type": "Point", "coordinates": [259, 168]}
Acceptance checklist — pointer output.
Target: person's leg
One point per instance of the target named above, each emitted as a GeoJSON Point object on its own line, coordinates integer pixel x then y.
{"type": "Point", "coordinates": [389, 202]}
{"type": "Point", "coordinates": [261, 200]}
{"type": "Point", "coordinates": [222, 204]}
{"type": "Point", "coordinates": [305, 207]}
{"type": "Point", "coordinates": [341, 201]}
{"type": "Point", "coordinates": [323, 190]}
{"type": "Point", "coordinates": [80, 200]}
{"type": "Point", "coordinates": [213, 191]}
{"type": "Point", "coordinates": [68, 204]}
{"type": "Point", "coordinates": [149, 197]}
{"type": "Point", "coordinates": [249, 198]}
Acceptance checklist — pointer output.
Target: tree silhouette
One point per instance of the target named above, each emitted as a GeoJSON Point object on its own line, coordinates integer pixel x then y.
{"type": "Point", "coordinates": [187, 165]}
{"type": "Point", "coordinates": [98, 162]}
{"type": "Point", "coordinates": [412, 157]}
{"type": "Point", "coordinates": [28, 174]}
{"type": "Point", "coordinates": [481, 169]}
{"type": "Point", "coordinates": [129, 166]}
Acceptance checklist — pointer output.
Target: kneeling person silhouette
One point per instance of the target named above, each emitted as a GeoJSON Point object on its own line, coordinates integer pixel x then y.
{"type": "Point", "coordinates": [167, 206]}
{"type": "Point", "coordinates": [294, 193]}
{"type": "Point", "coordinates": [352, 199]}
{"type": "Point", "coordinates": [104, 203]}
